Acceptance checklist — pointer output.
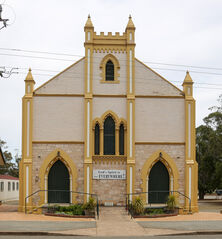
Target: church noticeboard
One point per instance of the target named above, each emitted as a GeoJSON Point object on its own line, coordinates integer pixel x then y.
{"type": "Point", "coordinates": [109, 174]}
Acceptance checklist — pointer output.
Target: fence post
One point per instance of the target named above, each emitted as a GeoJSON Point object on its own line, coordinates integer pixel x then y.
{"type": "Point", "coordinates": [97, 207]}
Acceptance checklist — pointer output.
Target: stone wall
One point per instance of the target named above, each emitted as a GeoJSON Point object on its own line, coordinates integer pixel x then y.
{"type": "Point", "coordinates": [176, 152]}
{"type": "Point", "coordinates": [110, 191]}
{"type": "Point", "coordinates": [41, 151]}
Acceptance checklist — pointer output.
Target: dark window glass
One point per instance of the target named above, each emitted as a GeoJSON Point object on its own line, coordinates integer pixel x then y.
{"type": "Point", "coordinates": [13, 186]}
{"type": "Point", "coordinates": [2, 186]}
{"type": "Point", "coordinates": [17, 186]}
{"type": "Point", "coordinates": [9, 186]}
{"type": "Point", "coordinates": [58, 183]}
{"type": "Point", "coordinates": [109, 71]}
{"type": "Point", "coordinates": [121, 139]}
{"type": "Point", "coordinates": [109, 136]}
{"type": "Point", "coordinates": [97, 139]}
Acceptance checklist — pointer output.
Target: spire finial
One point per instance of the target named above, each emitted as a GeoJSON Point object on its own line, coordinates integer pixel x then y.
{"type": "Point", "coordinates": [29, 76]}
{"type": "Point", "coordinates": [188, 78]}
{"type": "Point", "coordinates": [130, 23]}
{"type": "Point", "coordinates": [89, 22]}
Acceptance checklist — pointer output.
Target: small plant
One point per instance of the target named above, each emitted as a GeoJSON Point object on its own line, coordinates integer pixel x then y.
{"type": "Point", "coordinates": [171, 202]}
{"type": "Point", "coordinates": [154, 211]}
{"type": "Point", "coordinates": [76, 209]}
{"type": "Point", "coordinates": [138, 206]}
{"type": "Point", "coordinates": [90, 205]}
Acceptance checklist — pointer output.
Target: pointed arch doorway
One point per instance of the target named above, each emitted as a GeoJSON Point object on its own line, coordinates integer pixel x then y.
{"type": "Point", "coordinates": [158, 186]}
{"type": "Point", "coordinates": [58, 183]}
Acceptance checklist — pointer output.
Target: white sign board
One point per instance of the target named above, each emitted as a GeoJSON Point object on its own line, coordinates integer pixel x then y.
{"type": "Point", "coordinates": [109, 174]}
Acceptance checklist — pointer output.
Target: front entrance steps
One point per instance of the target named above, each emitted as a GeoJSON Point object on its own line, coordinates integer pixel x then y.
{"type": "Point", "coordinates": [115, 221]}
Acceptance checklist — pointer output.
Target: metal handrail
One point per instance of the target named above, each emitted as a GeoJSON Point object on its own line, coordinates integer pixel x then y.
{"type": "Point", "coordinates": [128, 201]}
{"type": "Point", "coordinates": [90, 194]}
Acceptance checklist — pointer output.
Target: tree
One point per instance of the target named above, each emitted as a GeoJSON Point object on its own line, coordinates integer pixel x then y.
{"type": "Point", "coordinates": [10, 168]}
{"type": "Point", "coordinates": [209, 151]}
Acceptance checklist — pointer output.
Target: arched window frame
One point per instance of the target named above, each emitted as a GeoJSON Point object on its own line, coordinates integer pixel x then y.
{"type": "Point", "coordinates": [118, 121]}
{"type": "Point", "coordinates": [116, 64]}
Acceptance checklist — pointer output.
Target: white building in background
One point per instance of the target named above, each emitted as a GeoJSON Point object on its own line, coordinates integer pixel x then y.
{"type": "Point", "coordinates": [9, 188]}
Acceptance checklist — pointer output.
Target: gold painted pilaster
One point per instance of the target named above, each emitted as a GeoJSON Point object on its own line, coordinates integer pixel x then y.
{"type": "Point", "coordinates": [130, 45]}
{"type": "Point", "coordinates": [88, 149]}
{"type": "Point", "coordinates": [191, 166]}
{"type": "Point", "coordinates": [27, 128]}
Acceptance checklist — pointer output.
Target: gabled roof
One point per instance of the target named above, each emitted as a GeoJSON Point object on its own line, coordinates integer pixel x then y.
{"type": "Point", "coordinates": [181, 92]}
{"type": "Point", "coordinates": [8, 177]}
{"type": "Point", "coordinates": [60, 73]}
{"type": "Point", "coordinates": [2, 159]}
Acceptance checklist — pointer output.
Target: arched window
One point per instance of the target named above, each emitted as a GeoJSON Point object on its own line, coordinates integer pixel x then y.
{"type": "Point", "coordinates": [58, 183]}
{"type": "Point", "coordinates": [109, 136]}
{"type": "Point", "coordinates": [121, 139]}
{"type": "Point", "coordinates": [96, 139]}
{"type": "Point", "coordinates": [109, 71]}
{"type": "Point", "coordinates": [158, 183]}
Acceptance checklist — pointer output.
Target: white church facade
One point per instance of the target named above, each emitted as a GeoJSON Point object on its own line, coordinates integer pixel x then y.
{"type": "Point", "coordinates": [108, 125]}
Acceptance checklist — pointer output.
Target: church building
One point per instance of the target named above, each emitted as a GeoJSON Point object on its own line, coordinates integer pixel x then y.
{"type": "Point", "coordinates": [108, 125]}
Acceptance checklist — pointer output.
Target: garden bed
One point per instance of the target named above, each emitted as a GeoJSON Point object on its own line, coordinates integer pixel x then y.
{"type": "Point", "coordinates": [86, 210]}
{"type": "Point", "coordinates": [69, 216]}
{"type": "Point", "coordinates": [156, 215]}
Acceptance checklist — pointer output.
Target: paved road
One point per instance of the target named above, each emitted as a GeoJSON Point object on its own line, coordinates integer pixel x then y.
{"type": "Point", "coordinates": [21, 226]}
{"type": "Point", "coordinates": [148, 237]}
{"type": "Point", "coordinates": [185, 225]}
{"type": "Point", "coordinates": [210, 205]}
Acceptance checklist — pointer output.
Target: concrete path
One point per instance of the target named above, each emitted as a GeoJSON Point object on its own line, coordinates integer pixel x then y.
{"type": "Point", "coordinates": [113, 221]}
{"type": "Point", "coordinates": [116, 222]}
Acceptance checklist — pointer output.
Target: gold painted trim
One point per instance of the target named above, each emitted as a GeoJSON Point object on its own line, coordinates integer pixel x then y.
{"type": "Point", "coordinates": [109, 157]}
{"type": "Point", "coordinates": [160, 96]}
{"type": "Point", "coordinates": [168, 162]}
{"type": "Point", "coordinates": [59, 74]}
{"type": "Point", "coordinates": [110, 82]}
{"type": "Point", "coordinates": [160, 143]}
{"type": "Point", "coordinates": [117, 121]}
{"type": "Point", "coordinates": [58, 142]}
{"type": "Point", "coordinates": [103, 69]}
{"type": "Point", "coordinates": [159, 75]}
{"type": "Point", "coordinates": [117, 96]}
{"type": "Point", "coordinates": [114, 96]}
{"type": "Point", "coordinates": [47, 164]}
{"type": "Point", "coordinates": [59, 95]}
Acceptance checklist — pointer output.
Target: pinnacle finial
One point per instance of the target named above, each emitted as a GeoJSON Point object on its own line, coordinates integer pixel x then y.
{"type": "Point", "coordinates": [130, 23]}
{"type": "Point", "coordinates": [188, 78]}
{"type": "Point", "coordinates": [29, 76]}
{"type": "Point", "coordinates": [89, 22]}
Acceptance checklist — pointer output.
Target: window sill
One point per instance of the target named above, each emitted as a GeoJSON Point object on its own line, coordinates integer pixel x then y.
{"type": "Point", "coordinates": [110, 82]}
{"type": "Point", "coordinates": [112, 158]}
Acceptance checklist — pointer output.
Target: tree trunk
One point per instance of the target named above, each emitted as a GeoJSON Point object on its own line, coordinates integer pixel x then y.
{"type": "Point", "coordinates": [201, 195]}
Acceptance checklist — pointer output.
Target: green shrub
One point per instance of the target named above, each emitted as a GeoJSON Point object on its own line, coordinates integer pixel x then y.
{"type": "Point", "coordinates": [137, 206]}
{"type": "Point", "coordinates": [171, 202]}
{"type": "Point", "coordinates": [76, 209]}
{"type": "Point", "coordinates": [154, 211]}
{"type": "Point", "coordinates": [90, 205]}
